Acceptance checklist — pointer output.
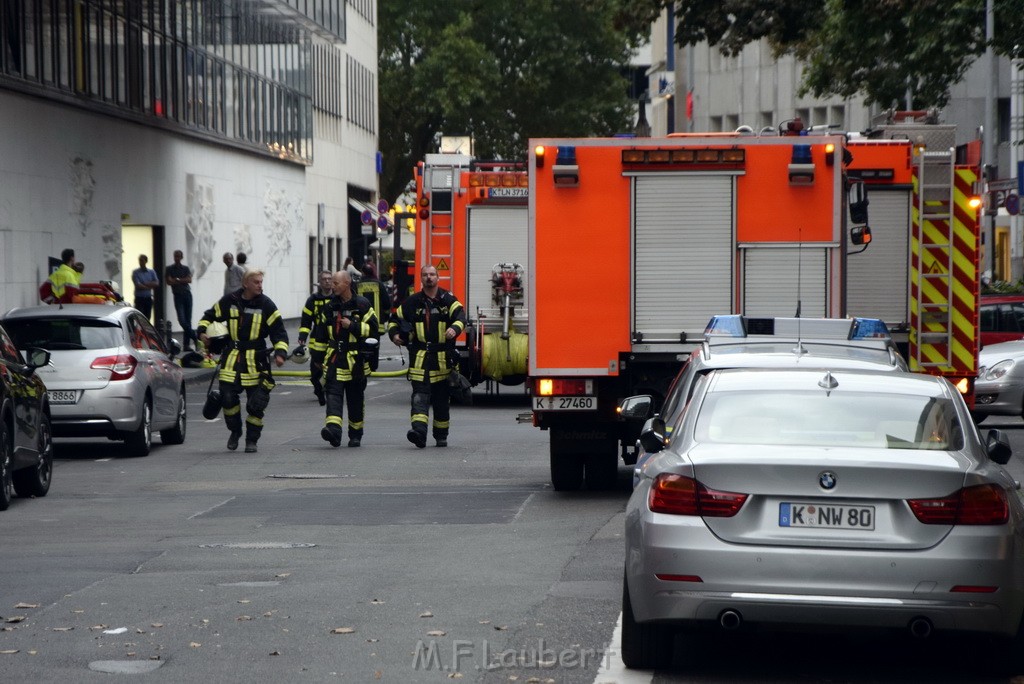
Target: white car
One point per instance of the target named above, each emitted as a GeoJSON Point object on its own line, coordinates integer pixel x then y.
{"type": "Point", "coordinates": [110, 373]}
{"type": "Point", "coordinates": [999, 389]}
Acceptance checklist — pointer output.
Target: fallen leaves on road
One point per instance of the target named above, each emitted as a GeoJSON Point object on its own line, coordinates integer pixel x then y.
{"type": "Point", "coordinates": [426, 614]}
{"type": "Point", "coordinates": [501, 628]}
{"type": "Point", "coordinates": [376, 602]}
{"type": "Point", "coordinates": [9, 651]}
{"type": "Point", "coordinates": [194, 644]}
{"type": "Point", "coordinates": [243, 618]}
{"type": "Point", "coordinates": [157, 625]}
{"type": "Point", "coordinates": [436, 633]}
{"type": "Point", "coordinates": [22, 605]}
{"type": "Point", "coordinates": [275, 653]}
{"type": "Point", "coordinates": [15, 618]}
{"type": "Point", "coordinates": [343, 630]}
{"type": "Point", "coordinates": [244, 600]}
{"type": "Point", "coordinates": [62, 629]}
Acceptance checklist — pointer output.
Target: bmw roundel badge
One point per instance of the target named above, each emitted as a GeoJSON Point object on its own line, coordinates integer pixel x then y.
{"type": "Point", "coordinates": [827, 480]}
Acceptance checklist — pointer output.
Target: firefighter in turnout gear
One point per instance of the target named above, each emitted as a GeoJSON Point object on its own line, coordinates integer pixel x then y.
{"type": "Point", "coordinates": [371, 288]}
{"type": "Point", "coordinates": [250, 317]}
{"type": "Point", "coordinates": [345, 322]}
{"type": "Point", "coordinates": [428, 323]}
{"type": "Point", "coordinates": [310, 313]}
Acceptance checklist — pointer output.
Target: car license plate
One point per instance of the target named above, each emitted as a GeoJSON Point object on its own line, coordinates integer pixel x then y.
{"type": "Point", "coordinates": [826, 516]}
{"type": "Point", "coordinates": [63, 396]}
{"type": "Point", "coordinates": [565, 403]}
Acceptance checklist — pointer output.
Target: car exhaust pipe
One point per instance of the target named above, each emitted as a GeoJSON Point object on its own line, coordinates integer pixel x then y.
{"type": "Point", "coordinates": [730, 619]}
{"type": "Point", "coordinates": [920, 628]}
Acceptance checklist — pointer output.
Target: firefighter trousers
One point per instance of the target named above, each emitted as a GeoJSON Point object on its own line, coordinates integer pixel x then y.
{"type": "Point", "coordinates": [316, 372]}
{"type": "Point", "coordinates": [257, 398]}
{"type": "Point", "coordinates": [349, 394]}
{"type": "Point", "coordinates": [427, 396]}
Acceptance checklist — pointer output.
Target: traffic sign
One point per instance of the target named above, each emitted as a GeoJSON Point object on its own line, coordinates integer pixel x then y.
{"type": "Point", "coordinates": [382, 222]}
{"type": "Point", "coordinates": [366, 217]}
{"type": "Point", "coordinates": [382, 206]}
{"type": "Point", "coordinates": [1012, 204]}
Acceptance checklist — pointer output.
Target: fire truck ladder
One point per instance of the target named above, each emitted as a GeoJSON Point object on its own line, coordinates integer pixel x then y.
{"type": "Point", "coordinates": [935, 206]}
{"type": "Point", "coordinates": [442, 179]}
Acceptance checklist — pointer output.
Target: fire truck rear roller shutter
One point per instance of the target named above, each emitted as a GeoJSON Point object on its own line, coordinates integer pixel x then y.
{"type": "Point", "coordinates": [770, 281]}
{"type": "Point", "coordinates": [683, 246]}
{"type": "Point", "coordinates": [496, 235]}
{"type": "Point", "coordinates": [878, 285]}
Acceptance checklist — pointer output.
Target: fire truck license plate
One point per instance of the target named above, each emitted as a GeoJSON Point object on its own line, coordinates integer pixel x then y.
{"type": "Point", "coordinates": [564, 403]}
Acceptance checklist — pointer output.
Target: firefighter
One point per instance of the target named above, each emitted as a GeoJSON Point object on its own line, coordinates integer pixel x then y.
{"type": "Point", "coordinates": [371, 288]}
{"type": "Point", "coordinates": [250, 316]}
{"type": "Point", "coordinates": [345, 322]}
{"type": "Point", "coordinates": [310, 313]}
{"type": "Point", "coordinates": [428, 323]}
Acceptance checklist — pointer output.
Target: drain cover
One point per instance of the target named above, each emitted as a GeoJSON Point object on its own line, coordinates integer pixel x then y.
{"type": "Point", "coordinates": [125, 666]}
{"type": "Point", "coordinates": [306, 476]}
{"type": "Point", "coordinates": [258, 545]}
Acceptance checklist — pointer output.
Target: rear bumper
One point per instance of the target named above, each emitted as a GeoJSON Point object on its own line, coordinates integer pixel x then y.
{"type": "Point", "coordinates": [822, 587]}
{"type": "Point", "coordinates": [97, 414]}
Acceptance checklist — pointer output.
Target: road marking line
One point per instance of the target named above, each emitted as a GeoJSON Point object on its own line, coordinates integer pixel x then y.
{"type": "Point", "coordinates": [211, 508]}
{"type": "Point", "coordinates": [613, 670]}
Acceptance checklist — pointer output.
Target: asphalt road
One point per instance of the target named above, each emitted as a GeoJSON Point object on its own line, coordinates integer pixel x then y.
{"type": "Point", "coordinates": [382, 563]}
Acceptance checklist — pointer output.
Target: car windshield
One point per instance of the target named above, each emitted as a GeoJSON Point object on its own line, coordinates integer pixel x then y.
{"type": "Point", "coordinates": [851, 419]}
{"type": "Point", "coordinates": [56, 334]}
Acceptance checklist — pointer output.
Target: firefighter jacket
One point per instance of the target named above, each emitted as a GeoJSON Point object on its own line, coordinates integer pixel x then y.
{"type": "Point", "coordinates": [310, 312]}
{"type": "Point", "coordinates": [345, 359]}
{"type": "Point", "coordinates": [423, 322]}
{"type": "Point", "coordinates": [248, 322]}
{"type": "Point", "coordinates": [374, 290]}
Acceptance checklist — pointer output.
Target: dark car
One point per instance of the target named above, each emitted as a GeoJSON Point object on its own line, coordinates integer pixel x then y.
{"type": "Point", "coordinates": [26, 446]}
{"type": "Point", "coordinates": [1002, 318]}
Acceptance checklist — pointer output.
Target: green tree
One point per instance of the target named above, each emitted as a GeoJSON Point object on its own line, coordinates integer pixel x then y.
{"type": "Point", "coordinates": [474, 67]}
{"type": "Point", "coordinates": [878, 48]}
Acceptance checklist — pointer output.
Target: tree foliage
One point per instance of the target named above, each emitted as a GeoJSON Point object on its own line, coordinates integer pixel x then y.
{"type": "Point", "coordinates": [877, 48]}
{"type": "Point", "coordinates": [501, 73]}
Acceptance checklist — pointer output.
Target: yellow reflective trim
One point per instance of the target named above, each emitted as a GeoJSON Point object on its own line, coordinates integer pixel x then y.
{"type": "Point", "coordinates": [419, 418]}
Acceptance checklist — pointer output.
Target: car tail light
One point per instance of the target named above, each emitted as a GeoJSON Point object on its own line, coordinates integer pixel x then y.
{"type": "Point", "coordinates": [681, 495]}
{"type": "Point", "coordinates": [121, 367]}
{"type": "Point", "coordinates": [978, 505]}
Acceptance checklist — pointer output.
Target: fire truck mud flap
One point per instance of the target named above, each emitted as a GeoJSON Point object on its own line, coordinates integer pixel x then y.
{"type": "Point", "coordinates": [583, 455]}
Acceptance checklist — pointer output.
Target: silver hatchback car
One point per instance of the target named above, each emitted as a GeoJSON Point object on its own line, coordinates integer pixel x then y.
{"type": "Point", "coordinates": [822, 498]}
{"type": "Point", "coordinates": [110, 373]}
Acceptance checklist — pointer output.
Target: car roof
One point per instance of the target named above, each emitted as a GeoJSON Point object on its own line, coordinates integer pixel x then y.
{"type": "Point", "coordinates": [98, 311]}
{"type": "Point", "coordinates": [734, 379]}
{"type": "Point", "coordinates": [791, 353]}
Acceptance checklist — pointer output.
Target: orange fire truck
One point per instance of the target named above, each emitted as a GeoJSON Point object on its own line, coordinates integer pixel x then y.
{"type": "Point", "coordinates": [471, 225]}
{"type": "Point", "coordinates": [636, 243]}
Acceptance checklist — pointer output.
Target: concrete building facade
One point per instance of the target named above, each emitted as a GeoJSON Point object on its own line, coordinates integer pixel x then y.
{"type": "Point", "coordinates": [209, 126]}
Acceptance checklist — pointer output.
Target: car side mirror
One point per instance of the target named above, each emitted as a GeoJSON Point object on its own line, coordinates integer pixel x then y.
{"type": "Point", "coordinates": [636, 408]}
{"type": "Point", "coordinates": [175, 347]}
{"type": "Point", "coordinates": [652, 436]}
{"type": "Point", "coordinates": [37, 357]}
{"type": "Point", "coordinates": [997, 444]}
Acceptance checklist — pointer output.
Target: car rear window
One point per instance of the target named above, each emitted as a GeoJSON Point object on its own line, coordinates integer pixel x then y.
{"type": "Point", "coordinates": [852, 419]}
{"type": "Point", "coordinates": [57, 334]}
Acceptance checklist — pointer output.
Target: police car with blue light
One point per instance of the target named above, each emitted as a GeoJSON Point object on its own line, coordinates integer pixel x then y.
{"type": "Point", "coordinates": [737, 341]}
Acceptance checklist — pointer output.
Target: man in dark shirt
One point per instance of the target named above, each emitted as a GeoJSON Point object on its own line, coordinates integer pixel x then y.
{"type": "Point", "coordinates": [179, 277]}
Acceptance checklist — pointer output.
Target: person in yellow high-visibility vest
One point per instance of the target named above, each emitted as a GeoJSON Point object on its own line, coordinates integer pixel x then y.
{"type": "Point", "coordinates": [65, 280]}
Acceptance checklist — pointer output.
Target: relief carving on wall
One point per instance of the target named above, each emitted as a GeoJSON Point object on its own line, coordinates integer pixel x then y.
{"type": "Point", "coordinates": [199, 212]}
{"type": "Point", "coordinates": [284, 215]}
{"type": "Point", "coordinates": [112, 250]}
{"type": "Point", "coordinates": [83, 187]}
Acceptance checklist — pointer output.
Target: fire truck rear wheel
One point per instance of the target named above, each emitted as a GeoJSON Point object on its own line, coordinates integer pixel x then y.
{"type": "Point", "coordinates": [566, 471]}
{"type": "Point", "coordinates": [602, 471]}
